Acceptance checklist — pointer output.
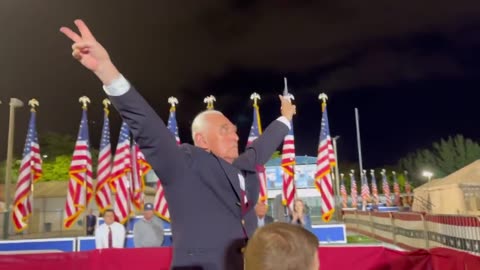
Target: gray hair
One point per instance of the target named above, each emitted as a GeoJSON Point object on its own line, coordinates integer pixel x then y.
{"type": "Point", "coordinates": [199, 122]}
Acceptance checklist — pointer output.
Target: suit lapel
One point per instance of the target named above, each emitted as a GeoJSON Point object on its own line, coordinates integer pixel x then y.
{"type": "Point", "coordinates": [232, 175]}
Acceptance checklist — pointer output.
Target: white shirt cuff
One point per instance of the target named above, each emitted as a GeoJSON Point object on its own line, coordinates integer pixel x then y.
{"type": "Point", "coordinates": [117, 87]}
{"type": "Point", "coordinates": [284, 120]}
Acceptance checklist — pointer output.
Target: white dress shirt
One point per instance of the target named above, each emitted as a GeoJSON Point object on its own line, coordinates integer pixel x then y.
{"type": "Point", "coordinates": [260, 222]}
{"type": "Point", "coordinates": [118, 235]}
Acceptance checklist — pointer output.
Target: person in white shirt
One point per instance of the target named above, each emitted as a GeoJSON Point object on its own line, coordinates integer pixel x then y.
{"type": "Point", "coordinates": [110, 234]}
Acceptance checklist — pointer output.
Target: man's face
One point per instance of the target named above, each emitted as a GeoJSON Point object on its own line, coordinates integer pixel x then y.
{"type": "Point", "coordinates": [148, 214]}
{"type": "Point", "coordinates": [221, 137]}
{"type": "Point", "coordinates": [109, 218]}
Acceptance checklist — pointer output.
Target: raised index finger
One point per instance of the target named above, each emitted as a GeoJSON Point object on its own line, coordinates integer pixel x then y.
{"type": "Point", "coordinates": [84, 31]}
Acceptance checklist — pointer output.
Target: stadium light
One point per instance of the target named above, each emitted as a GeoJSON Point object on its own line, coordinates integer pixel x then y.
{"type": "Point", "coordinates": [428, 175]}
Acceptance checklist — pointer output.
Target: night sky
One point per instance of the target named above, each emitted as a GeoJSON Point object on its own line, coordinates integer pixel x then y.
{"type": "Point", "coordinates": [412, 69]}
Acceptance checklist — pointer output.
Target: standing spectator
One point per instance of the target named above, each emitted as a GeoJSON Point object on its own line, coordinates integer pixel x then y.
{"type": "Point", "coordinates": [148, 232]}
{"type": "Point", "coordinates": [110, 234]}
{"type": "Point", "coordinates": [300, 215]}
{"type": "Point", "coordinates": [91, 222]}
{"type": "Point", "coordinates": [262, 217]}
{"type": "Point", "coordinates": [279, 210]}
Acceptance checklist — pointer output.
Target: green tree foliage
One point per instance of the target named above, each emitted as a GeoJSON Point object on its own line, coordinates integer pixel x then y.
{"type": "Point", "coordinates": [443, 158]}
{"type": "Point", "coordinates": [276, 154]}
{"type": "Point", "coordinates": [57, 169]}
{"type": "Point", "coordinates": [15, 167]}
{"type": "Point", "coordinates": [56, 150]}
{"type": "Point", "coordinates": [54, 145]}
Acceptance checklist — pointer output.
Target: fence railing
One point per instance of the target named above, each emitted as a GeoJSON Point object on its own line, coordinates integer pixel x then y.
{"type": "Point", "coordinates": [413, 230]}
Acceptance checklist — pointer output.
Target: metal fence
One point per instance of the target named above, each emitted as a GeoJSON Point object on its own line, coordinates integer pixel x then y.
{"type": "Point", "coordinates": [413, 230]}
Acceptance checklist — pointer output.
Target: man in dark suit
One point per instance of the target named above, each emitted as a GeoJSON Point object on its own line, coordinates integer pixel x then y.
{"type": "Point", "coordinates": [91, 222]}
{"type": "Point", "coordinates": [211, 189]}
{"type": "Point", "coordinates": [262, 217]}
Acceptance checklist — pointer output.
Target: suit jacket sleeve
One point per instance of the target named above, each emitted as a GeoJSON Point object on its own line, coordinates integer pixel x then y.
{"type": "Point", "coordinates": [156, 142]}
{"type": "Point", "coordinates": [261, 150]}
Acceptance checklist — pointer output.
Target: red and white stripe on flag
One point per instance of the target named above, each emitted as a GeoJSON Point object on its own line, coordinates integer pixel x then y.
{"type": "Point", "coordinates": [160, 203]}
{"type": "Point", "coordinates": [288, 167]}
{"type": "Point", "coordinates": [29, 173]}
{"type": "Point", "coordinates": [121, 176]}
{"type": "Point", "coordinates": [325, 162]}
{"type": "Point", "coordinates": [80, 186]}
{"type": "Point", "coordinates": [103, 195]}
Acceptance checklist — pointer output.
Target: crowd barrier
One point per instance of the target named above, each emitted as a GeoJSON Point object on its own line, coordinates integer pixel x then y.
{"type": "Point", "coordinates": [413, 230]}
{"type": "Point", "coordinates": [326, 234]}
{"type": "Point", "coordinates": [331, 258]}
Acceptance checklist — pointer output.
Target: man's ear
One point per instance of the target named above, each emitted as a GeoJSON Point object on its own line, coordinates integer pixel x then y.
{"type": "Point", "coordinates": [201, 142]}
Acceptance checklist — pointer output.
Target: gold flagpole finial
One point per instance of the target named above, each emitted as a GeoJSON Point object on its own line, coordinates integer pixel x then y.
{"type": "Point", "coordinates": [33, 103]}
{"type": "Point", "coordinates": [106, 102]}
{"type": "Point", "coordinates": [173, 101]}
{"type": "Point", "coordinates": [84, 100]}
{"type": "Point", "coordinates": [255, 97]}
{"type": "Point", "coordinates": [323, 97]}
{"type": "Point", "coordinates": [209, 100]}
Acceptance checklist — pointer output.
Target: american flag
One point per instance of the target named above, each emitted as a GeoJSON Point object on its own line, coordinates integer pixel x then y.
{"type": "Point", "coordinates": [255, 132]}
{"type": "Point", "coordinates": [343, 192]}
{"type": "Point", "coordinates": [396, 189]}
{"type": "Point", "coordinates": [103, 195]}
{"type": "Point", "coordinates": [140, 168]}
{"type": "Point", "coordinates": [288, 164]}
{"type": "Point", "coordinates": [365, 189]}
{"type": "Point", "coordinates": [121, 176]}
{"type": "Point", "coordinates": [80, 187]}
{"type": "Point", "coordinates": [30, 172]}
{"type": "Point", "coordinates": [325, 163]}
{"type": "Point", "coordinates": [386, 189]}
{"type": "Point", "coordinates": [353, 190]}
{"type": "Point", "coordinates": [374, 188]}
{"type": "Point", "coordinates": [160, 203]}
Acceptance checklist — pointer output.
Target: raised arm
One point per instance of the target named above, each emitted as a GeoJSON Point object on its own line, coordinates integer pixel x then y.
{"type": "Point", "coordinates": [260, 151]}
{"type": "Point", "coordinates": [156, 142]}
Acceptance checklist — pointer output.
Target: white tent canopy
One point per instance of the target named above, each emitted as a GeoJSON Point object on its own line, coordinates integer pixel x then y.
{"type": "Point", "coordinates": [457, 193]}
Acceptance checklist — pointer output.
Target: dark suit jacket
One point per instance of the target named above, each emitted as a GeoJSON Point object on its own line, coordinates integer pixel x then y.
{"type": "Point", "coordinates": [202, 190]}
{"type": "Point", "coordinates": [91, 222]}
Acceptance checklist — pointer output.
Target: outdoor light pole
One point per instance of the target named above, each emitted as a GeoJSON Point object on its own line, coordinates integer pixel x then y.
{"type": "Point", "coordinates": [14, 103]}
{"type": "Point", "coordinates": [337, 179]}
